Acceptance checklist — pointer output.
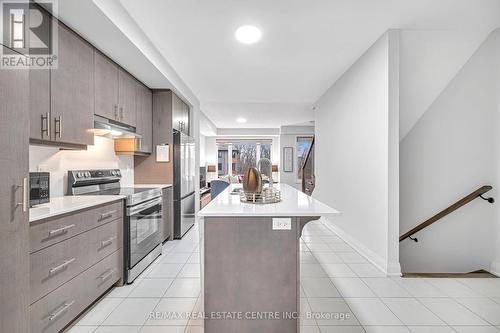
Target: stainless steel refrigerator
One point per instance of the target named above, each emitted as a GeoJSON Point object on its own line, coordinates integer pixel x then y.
{"type": "Point", "coordinates": [184, 183]}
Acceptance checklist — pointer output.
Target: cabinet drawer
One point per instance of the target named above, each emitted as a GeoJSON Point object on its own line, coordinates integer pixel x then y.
{"type": "Point", "coordinates": [57, 264]}
{"type": "Point", "coordinates": [47, 232]}
{"type": "Point", "coordinates": [59, 308]}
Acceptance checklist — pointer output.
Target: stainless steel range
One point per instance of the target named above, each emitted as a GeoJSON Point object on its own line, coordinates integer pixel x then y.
{"type": "Point", "coordinates": [143, 215]}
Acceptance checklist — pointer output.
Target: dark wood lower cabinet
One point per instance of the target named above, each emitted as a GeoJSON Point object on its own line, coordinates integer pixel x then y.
{"type": "Point", "coordinates": [69, 275]}
{"type": "Point", "coordinates": [14, 253]}
{"type": "Point", "coordinates": [168, 213]}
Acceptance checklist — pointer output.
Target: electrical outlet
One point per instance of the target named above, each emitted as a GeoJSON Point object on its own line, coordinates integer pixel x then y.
{"type": "Point", "coordinates": [282, 224]}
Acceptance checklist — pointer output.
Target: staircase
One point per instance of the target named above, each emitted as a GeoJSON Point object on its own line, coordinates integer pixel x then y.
{"type": "Point", "coordinates": [479, 193]}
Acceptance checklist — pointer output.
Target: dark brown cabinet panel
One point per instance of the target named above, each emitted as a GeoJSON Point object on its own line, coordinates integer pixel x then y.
{"type": "Point", "coordinates": [180, 115]}
{"type": "Point", "coordinates": [72, 90]}
{"type": "Point", "coordinates": [144, 117]}
{"type": "Point", "coordinates": [106, 86]}
{"type": "Point", "coordinates": [185, 118]}
{"type": "Point", "coordinates": [177, 112]}
{"type": "Point", "coordinates": [14, 260]}
{"type": "Point", "coordinates": [168, 213]}
{"type": "Point", "coordinates": [127, 97]}
{"type": "Point", "coordinates": [39, 87]}
{"type": "Point", "coordinates": [40, 120]}
{"type": "Point", "coordinates": [162, 116]}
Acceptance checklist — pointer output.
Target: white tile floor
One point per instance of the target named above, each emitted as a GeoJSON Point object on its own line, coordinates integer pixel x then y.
{"type": "Point", "coordinates": [335, 279]}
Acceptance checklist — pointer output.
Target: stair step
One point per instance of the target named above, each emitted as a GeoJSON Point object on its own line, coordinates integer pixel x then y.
{"type": "Point", "coordinates": [476, 274]}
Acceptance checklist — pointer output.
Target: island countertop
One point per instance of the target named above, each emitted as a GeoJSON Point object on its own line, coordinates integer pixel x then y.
{"type": "Point", "coordinates": [293, 203]}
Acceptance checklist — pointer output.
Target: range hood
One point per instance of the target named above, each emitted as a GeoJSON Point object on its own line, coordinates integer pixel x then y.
{"type": "Point", "coordinates": [113, 129]}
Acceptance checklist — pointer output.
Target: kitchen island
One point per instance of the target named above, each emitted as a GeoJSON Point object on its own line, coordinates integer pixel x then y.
{"type": "Point", "coordinates": [250, 256]}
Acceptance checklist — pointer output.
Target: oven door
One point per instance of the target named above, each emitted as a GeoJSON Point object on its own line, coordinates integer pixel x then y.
{"type": "Point", "coordinates": [145, 233]}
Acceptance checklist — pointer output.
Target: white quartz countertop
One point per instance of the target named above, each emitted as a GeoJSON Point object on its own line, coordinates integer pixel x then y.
{"type": "Point", "coordinates": [293, 203]}
{"type": "Point", "coordinates": [68, 204]}
{"type": "Point", "coordinates": [152, 185]}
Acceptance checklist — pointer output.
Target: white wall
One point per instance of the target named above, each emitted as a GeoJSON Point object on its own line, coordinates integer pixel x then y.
{"type": "Point", "coordinates": [203, 148]}
{"type": "Point", "coordinates": [450, 152]}
{"type": "Point", "coordinates": [495, 266]}
{"type": "Point", "coordinates": [357, 142]}
{"type": "Point", "coordinates": [99, 156]}
{"type": "Point", "coordinates": [288, 138]}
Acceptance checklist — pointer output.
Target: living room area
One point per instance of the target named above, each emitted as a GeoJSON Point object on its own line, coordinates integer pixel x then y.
{"type": "Point", "coordinates": [226, 153]}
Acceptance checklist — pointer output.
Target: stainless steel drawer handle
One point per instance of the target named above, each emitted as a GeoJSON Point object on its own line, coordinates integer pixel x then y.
{"type": "Point", "coordinates": [107, 242]}
{"type": "Point", "coordinates": [61, 310]}
{"type": "Point", "coordinates": [46, 125]}
{"type": "Point", "coordinates": [61, 230]}
{"type": "Point", "coordinates": [107, 275]}
{"type": "Point", "coordinates": [61, 266]}
{"type": "Point", "coordinates": [24, 203]}
{"type": "Point", "coordinates": [58, 127]}
{"type": "Point", "coordinates": [107, 215]}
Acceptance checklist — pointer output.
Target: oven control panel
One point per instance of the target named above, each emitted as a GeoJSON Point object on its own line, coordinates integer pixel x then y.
{"type": "Point", "coordinates": [83, 177]}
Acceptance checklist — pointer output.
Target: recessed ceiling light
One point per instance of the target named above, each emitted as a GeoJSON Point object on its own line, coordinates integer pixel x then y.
{"type": "Point", "coordinates": [248, 34]}
{"type": "Point", "coordinates": [241, 120]}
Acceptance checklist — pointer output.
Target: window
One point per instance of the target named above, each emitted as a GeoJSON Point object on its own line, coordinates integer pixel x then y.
{"type": "Point", "coordinates": [244, 153]}
{"type": "Point", "coordinates": [222, 159]}
{"type": "Point", "coordinates": [244, 156]}
{"type": "Point", "coordinates": [303, 144]}
{"type": "Point", "coordinates": [265, 150]}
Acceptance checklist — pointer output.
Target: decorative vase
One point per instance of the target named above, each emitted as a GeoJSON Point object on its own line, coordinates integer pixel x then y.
{"type": "Point", "coordinates": [252, 181]}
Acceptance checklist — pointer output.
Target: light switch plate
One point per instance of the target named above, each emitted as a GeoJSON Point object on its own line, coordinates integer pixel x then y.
{"type": "Point", "coordinates": [282, 223]}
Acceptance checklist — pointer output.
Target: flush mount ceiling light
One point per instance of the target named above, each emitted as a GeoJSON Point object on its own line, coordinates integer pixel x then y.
{"type": "Point", "coordinates": [241, 120]}
{"type": "Point", "coordinates": [248, 34]}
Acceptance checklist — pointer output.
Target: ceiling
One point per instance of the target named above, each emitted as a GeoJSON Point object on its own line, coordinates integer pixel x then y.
{"type": "Point", "coordinates": [305, 47]}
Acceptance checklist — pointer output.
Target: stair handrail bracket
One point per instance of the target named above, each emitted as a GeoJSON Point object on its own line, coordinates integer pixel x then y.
{"type": "Point", "coordinates": [479, 193]}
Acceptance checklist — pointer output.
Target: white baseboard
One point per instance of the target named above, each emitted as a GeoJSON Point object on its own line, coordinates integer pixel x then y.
{"type": "Point", "coordinates": [391, 269]}
{"type": "Point", "coordinates": [495, 268]}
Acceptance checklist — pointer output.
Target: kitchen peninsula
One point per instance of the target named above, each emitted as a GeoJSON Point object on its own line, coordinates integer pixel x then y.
{"type": "Point", "coordinates": [250, 261]}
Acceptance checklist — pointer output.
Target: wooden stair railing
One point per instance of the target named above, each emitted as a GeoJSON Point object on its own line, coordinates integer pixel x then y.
{"type": "Point", "coordinates": [462, 202]}
{"type": "Point", "coordinates": [307, 171]}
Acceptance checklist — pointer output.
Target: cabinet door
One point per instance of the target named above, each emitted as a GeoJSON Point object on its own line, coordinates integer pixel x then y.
{"type": "Point", "coordinates": [168, 217]}
{"type": "Point", "coordinates": [40, 120]}
{"type": "Point", "coordinates": [126, 98]}
{"type": "Point", "coordinates": [162, 117]}
{"type": "Point", "coordinates": [145, 118]}
{"type": "Point", "coordinates": [14, 258]}
{"type": "Point", "coordinates": [106, 86]}
{"type": "Point", "coordinates": [177, 112]}
{"type": "Point", "coordinates": [72, 90]}
{"type": "Point", "coordinates": [40, 93]}
{"type": "Point", "coordinates": [185, 118]}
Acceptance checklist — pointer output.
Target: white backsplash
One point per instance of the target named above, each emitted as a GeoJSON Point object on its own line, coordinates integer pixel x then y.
{"type": "Point", "coordinates": [99, 156]}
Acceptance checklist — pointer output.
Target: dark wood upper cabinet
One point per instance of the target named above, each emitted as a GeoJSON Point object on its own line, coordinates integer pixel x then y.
{"type": "Point", "coordinates": [72, 90]}
{"type": "Point", "coordinates": [180, 115]}
{"type": "Point", "coordinates": [106, 87]}
{"type": "Point", "coordinates": [14, 249]}
{"type": "Point", "coordinates": [144, 111]}
{"type": "Point", "coordinates": [127, 97]}
{"type": "Point", "coordinates": [40, 119]}
{"type": "Point", "coordinates": [39, 85]}
{"type": "Point", "coordinates": [185, 118]}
